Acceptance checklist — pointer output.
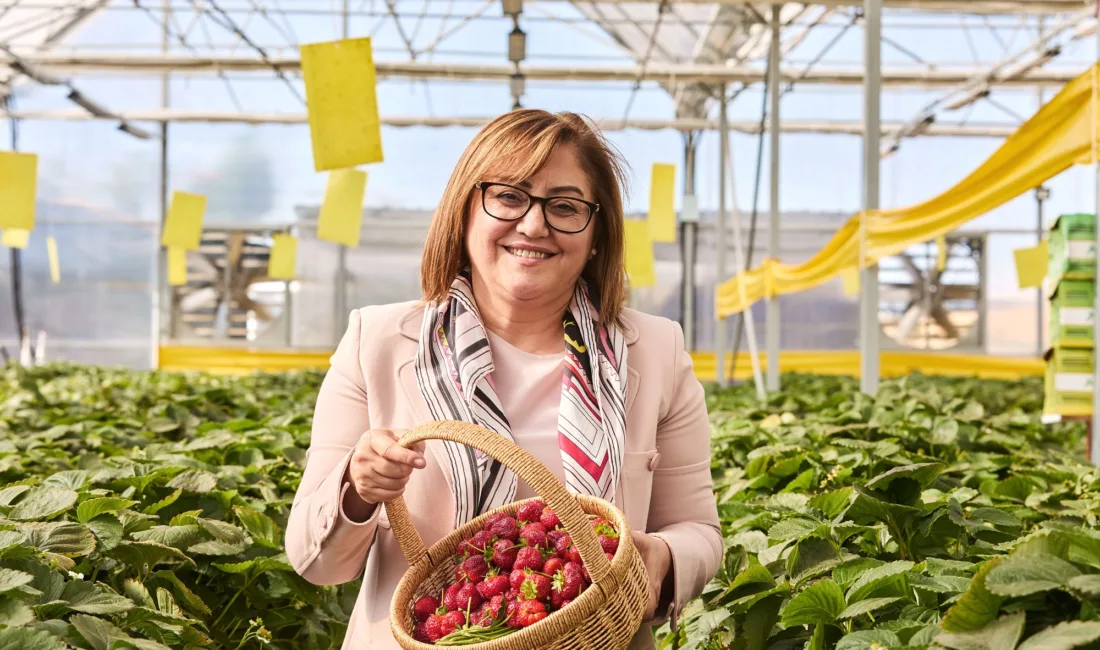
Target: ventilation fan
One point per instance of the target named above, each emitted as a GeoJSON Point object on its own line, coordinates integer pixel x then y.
{"type": "Point", "coordinates": [922, 307]}
{"type": "Point", "coordinates": [228, 294]}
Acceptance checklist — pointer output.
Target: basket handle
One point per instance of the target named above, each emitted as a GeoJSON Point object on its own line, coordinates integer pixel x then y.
{"type": "Point", "coordinates": [525, 466]}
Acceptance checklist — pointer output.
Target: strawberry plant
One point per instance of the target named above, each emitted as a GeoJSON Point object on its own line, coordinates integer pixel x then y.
{"type": "Point", "coordinates": [938, 515]}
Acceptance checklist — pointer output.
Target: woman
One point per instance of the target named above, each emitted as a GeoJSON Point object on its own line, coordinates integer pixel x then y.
{"type": "Point", "coordinates": [521, 330]}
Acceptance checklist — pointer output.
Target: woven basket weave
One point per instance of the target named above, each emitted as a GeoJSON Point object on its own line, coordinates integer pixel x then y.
{"type": "Point", "coordinates": [605, 616]}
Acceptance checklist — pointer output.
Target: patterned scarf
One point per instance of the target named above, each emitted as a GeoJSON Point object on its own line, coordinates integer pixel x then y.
{"type": "Point", "coordinates": [454, 370]}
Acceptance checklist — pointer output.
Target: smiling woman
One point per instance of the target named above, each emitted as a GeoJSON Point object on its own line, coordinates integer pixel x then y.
{"type": "Point", "coordinates": [522, 330]}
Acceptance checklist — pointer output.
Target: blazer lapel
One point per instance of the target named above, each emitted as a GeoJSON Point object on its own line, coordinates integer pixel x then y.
{"type": "Point", "coordinates": [630, 333]}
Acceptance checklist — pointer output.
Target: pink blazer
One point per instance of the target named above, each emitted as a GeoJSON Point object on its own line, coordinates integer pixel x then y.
{"type": "Point", "coordinates": [665, 487]}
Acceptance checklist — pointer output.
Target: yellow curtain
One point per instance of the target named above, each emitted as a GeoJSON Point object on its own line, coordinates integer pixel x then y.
{"type": "Point", "coordinates": [1060, 135]}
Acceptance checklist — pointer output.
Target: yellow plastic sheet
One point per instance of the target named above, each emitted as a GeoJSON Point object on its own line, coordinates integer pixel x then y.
{"type": "Point", "coordinates": [344, 126]}
{"type": "Point", "coordinates": [16, 237]}
{"type": "Point", "coordinates": [850, 277]}
{"type": "Point", "coordinates": [639, 254]}
{"type": "Point", "coordinates": [341, 217]}
{"type": "Point", "coordinates": [1031, 265]}
{"type": "Point", "coordinates": [662, 205]}
{"type": "Point", "coordinates": [18, 179]}
{"type": "Point", "coordinates": [183, 224]}
{"type": "Point", "coordinates": [55, 261]}
{"type": "Point", "coordinates": [1058, 136]}
{"type": "Point", "coordinates": [177, 267]}
{"type": "Point", "coordinates": [284, 257]}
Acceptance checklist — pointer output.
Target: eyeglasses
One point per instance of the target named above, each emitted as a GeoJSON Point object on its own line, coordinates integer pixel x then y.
{"type": "Point", "coordinates": [562, 213]}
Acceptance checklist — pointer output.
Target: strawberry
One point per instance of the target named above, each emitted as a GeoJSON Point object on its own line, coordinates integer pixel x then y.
{"type": "Point", "coordinates": [504, 554]}
{"type": "Point", "coordinates": [451, 622]}
{"type": "Point", "coordinates": [512, 594]}
{"type": "Point", "coordinates": [469, 598]}
{"type": "Point", "coordinates": [552, 566]}
{"type": "Point", "coordinates": [535, 587]}
{"type": "Point", "coordinates": [512, 612]}
{"type": "Point", "coordinates": [552, 537]}
{"type": "Point", "coordinates": [516, 578]}
{"type": "Point", "coordinates": [504, 528]}
{"type": "Point", "coordinates": [482, 617]}
{"type": "Point", "coordinates": [577, 569]}
{"type": "Point", "coordinates": [420, 632]}
{"type": "Point", "coordinates": [608, 536]}
{"type": "Point", "coordinates": [530, 612]}
{"type": "Point", "coordinates": [567, 550]}
{"type": "Point", "coordinates": [476, 544]}
{"type": "Point", "coordinates": [567, 584]}
{"type": "Point", "coordinates": [493, 586]}
{"type": "Point", "coordinates": [533, 535]}
{"type": "Point", "coordinates": [433, 627]}
{"type": "Point", "coordinates": [493, 518]}
{"type": "Point", "coordinates": [496, 605]}
{"type": "Point", "coordinates": [473, 569]}
{"type": "Point", "coordinates": [531, 511]}
{"type": "Point", "coordinates": [609, 544]}
{"type": "Point", "coordinates": [528, 558]}
{"type": "Point", "coordinates": [425, 607]}
{"type": "Point", "coordinates": [549, 520]}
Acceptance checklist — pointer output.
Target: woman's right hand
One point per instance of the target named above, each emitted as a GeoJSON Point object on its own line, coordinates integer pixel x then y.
{"type": "Point", "coordinates": [379, 470]}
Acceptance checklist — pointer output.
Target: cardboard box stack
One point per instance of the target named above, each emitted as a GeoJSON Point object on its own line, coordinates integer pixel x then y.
{"type": "Point", "coordinates": [1071, 288]}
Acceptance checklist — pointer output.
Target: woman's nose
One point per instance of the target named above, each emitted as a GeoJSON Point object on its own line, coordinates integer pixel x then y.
{"type": "Point", "coordinates": [533, 224]}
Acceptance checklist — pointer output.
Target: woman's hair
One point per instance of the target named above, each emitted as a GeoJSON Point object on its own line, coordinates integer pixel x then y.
{"type": "Point", "coordinates": [513, 148]}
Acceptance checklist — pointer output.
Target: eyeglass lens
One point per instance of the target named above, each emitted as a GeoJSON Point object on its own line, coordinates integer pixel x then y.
{"type": "Point", "coordinates": [562, 213]}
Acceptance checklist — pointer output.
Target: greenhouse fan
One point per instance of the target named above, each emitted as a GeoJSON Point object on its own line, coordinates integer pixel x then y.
{"type": "Point", "coordinates": [220, 299]}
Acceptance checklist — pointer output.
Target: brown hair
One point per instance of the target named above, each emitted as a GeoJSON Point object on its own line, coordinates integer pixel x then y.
{"type": "Point", "coordinates": [512, 148]}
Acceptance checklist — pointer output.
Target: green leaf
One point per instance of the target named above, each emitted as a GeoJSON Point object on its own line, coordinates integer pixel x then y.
{"type": "Point", "coordinates": [11, 579]}
{"type": "Point", "coordinates": [1064, 636]}
{"type": "Point", "coordinates": [9, 494]}
{"type": "Point", "coordinates": [820, 603]}
{"type": "Point", "coordinates": [61, 537]}
{"type": "Point", "coordinates": [15, 613]}
{"type": "Point", "coordinates": [876, 578]}
{"type": "Point", "coordinates": [194, 480]}
{"type": "Point", "coordinates": [792, 529]}
{"type": "Point", "coordinates": [43, 502]}
{"type": "Point", "coordinates": [832, 503]}
{"type": "Point", "coordinates": [922, 473]}
{"type": "Point", "coordinates": [869, 640]}
{"type": "Point", "coordinates": [977, 606]}
{"type": "Point", "coordinates": [810, 557]}
{"type": "Point", "coordinates": [92, 508]}
{"type": "Point", "coordinates": [1086, 584]}
{"type": "Point", "coordinates": [1022, 576]}
{"type": "Point", "coordinates": [946, 432]}
{"type": "Point", "coordinates": [1001, 634]}
{"type": "Point", "coordinates": [175, 536]}
{"type": "Point", "coordinates": [867, 606]}
{"type": "Point", "coordinates": [146, 555]}
{"type": "Point", "coordinates": [261, 527]}
{"type": "Point", "coordinates": [760, 620]}
{"type": "Point", "coordinates": [107, 529]}
{"type": "Point", "coordinates": [28, 638]}
{"type": "Point", "coordinates": [72, 479]}
{"type": "Point", "coordinates": [94, 598]}
{"type": "Point", "coordinates": [96, 631]}
{"type": "Point", "coordinates": [163, 503]}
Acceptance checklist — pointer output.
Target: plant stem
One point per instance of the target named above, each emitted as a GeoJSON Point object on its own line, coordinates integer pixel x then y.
{"type": "Point", "coordinates": [232, 600]}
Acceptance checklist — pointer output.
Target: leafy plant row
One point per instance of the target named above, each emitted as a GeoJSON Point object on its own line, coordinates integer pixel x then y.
{"type": "Point", "coordinates": [938, 515]}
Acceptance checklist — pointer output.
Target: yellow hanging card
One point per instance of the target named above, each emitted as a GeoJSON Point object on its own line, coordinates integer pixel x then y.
{"type": "Point", "coordinates": [177, 266]}
{"type": "Point", "coordinates": [183, 224]}
{"type": "Point", "coordinates": [941, 253]}
{"type": "Point", "coordinates": [662, 208]}
{"type": "Point", "coordinates": [16, 237]}
{"type": "Point", "coordinates": [639, 254]}
{"type": "Point", "coordinates": [284, 257]}
{"type": "Point", "coordinates": [341, 216]}
{"type": "Point", "coordinates": [18, 183]}
{"type": "Point", "coordinates": [850, 278]}
{"type": "Point", "coordinates": [1031, 265]}
{"type": "Point", "coordinates": [344, 126]}
{"type": "Point", "coordinates": [55, 262]}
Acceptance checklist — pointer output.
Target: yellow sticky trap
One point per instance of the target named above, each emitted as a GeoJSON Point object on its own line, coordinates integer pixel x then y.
{"type": "Point", "coordinates": [1031, 265]}
{"type": "Point", "coordinates": [341, 216]}
{"type": "Point", "coordinates": [282, 263]}
{"type": "Point", "coordinates": [183, 224]}
{"type": "Point", "coordinates": [850, 278]}
{"type": "Point", "coordinates": [16, 237]}
{"type": "Point", "coordinates": [177, 266]}
{"type": "Point", "coordinates": [344, 126]}
{"type": "Point", "coordinates": [639, 254]}
{"type": "Point", "coordinates": [941, 253]}
{"type": "Point", "coordinates": [55, 262]}
{"type": "Point", "coordinates": [662, 208]}
{"type": "Point", "coordinates": [18, 189]}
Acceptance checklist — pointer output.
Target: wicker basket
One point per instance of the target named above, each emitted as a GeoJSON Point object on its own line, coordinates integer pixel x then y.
{"type": "Point", "coordinates": [605, 616]}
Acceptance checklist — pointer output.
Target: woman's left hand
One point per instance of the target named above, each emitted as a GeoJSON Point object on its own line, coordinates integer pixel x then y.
{"type": "Point", "coordinates": [657, 559]}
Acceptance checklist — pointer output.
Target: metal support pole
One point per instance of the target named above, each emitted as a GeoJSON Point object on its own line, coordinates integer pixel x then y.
{"type": "Point", "coordinates": [1041, 195]}
{"type": "Point", "coordinates": [771, 307]}
{"type": "Point", "coordinates": [872, 97]}
{"type": "Point", "coordinates": [160, 294]}
{"type": "Point", "coordinates": [689, 239]}
{"type": "Point", "coordinates": [1094, 449]}
{"type": "Point", "coordinates": [340, 293]}
{"type": "Point", "coordinates": [720, 270]}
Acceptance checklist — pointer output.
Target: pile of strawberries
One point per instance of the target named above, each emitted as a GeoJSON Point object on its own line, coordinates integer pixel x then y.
{"type": "Point", "coordinates": [511, 574]}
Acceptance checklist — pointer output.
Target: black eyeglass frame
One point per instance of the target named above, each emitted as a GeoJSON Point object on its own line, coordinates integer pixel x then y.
{"type": "Point", "coordinates": [593, 207]}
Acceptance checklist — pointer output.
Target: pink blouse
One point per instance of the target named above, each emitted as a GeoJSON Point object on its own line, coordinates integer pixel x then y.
{"type": "Point", "coordinates": [529, 387]}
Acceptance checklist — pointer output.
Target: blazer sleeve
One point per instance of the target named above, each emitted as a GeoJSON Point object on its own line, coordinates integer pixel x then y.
{"type": "Point", "coordinates": [683, 510]}
{"type": "Point", "coordinates": [322, 544]}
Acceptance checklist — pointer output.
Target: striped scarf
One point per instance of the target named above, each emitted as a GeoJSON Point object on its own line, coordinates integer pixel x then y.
{"type": "Point", "coordinates": [454, 370]}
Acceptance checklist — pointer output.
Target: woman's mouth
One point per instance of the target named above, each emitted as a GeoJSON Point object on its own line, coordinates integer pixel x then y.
{"type": "Point", "coordinates": [527, 253]}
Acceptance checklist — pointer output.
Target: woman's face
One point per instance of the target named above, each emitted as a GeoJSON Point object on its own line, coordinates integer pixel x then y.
{"type": "Point", "coordinates": [526, 260]}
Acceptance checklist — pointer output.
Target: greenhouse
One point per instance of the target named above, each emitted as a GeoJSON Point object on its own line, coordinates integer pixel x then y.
{"type": "Point", "coordinates": [282, 328]}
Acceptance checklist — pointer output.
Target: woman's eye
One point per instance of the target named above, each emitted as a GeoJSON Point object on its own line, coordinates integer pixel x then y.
{"type": "Point", "coordinates": [564, 209]}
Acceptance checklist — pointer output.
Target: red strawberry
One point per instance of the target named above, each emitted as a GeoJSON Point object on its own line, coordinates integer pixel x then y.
{"type": "Point", "coordinates": [504, 554]}
{"type": "Point", "coordinates": [516, 578]}
{"type": "Point", "coordinates": [533, 535]}
{"type": "Point", "coordinates": [420, 633]}
{"type": "Point", "coordinates": [530, 612]}
{"type": "Point", "coordinates": [576, 568]}
{"type": "Point", "coordinates": [549, 520]}
{"type": "Point", "coordinates": [535, 587]}
{"type": "Point", "coordinates": [512, 594]}
{"type": "Point", "coordinates": [476, 544]}
{"type": "Point", "coordinates": [531, 511]}
{"type": "Point", "coordinates": [473, 569]}
{"type": "Point", "coordinates": [425, 607]}
{"type": "Point", "coordinates": [552, 537]}
{"type": "Point", "coordinates": [469, 598]}
{"type": "Point", "coordinates": [528, 558]}
{"type": "Point", "coordinates": [504, 528]}
{"type": "Point", "coordinates": [493, 518]}
{"type": "Point", "coordinates": [552, 566]}
{"type": "Point", "coordinates": [483, 617]}
{"type": "Point", "coordinates": [512, 612]}
{"type": "Point", "coordinates": [609, 544]}
{"type": "Point", "coordinates": [557, 601]}
{"type": "Point", "coordinates": [450, 596]}
{"type": "Point", "coordinates": [433, 627]}
{"type": "Point", "coordinates": [493, 586]}
{"type": "Point", "coordinates": [568, 584]}
{"type": "Point", "coordinates": [496, 605]}
{"type": "Point", "coordinates": [452, 621]}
